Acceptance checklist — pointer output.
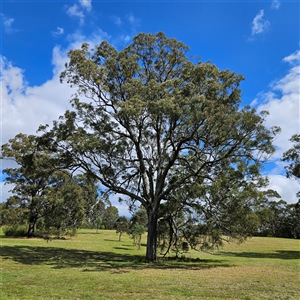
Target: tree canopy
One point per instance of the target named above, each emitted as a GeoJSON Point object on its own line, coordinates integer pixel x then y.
{"type": "Point", "coordinates": [158, 128]}
{"type": "Point", "coordinates": [42, 191]}
{"type": "Point", "coordinates": [292, 156]}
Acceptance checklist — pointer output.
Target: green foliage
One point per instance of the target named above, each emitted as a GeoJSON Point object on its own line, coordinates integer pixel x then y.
{"type": "Point", "coordinates": [13, 213]}
{"type": "Point", "coordinates": [44, 194]}
{"type": "Point", "coordinates": [110, 217]}
{"type": "Point", "coordinates": [279, 219]}
{"type": "Point", "coordinates": [122, 225]}
{"type": "Point", "coordinates": [138, 226]}
{"type": "Point", "coordinates": [15, 230]}
{"type": "Point", "coordinates": [292, 156]}
{"type": "Point", "coordinates": [207, 216]}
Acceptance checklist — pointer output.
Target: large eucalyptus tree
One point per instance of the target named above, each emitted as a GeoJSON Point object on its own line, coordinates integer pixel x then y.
{"type": "Point", "coordinates": [148, 123]}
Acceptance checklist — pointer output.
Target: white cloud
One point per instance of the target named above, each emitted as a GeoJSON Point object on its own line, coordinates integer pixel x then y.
{"type": "Point", "coordinates": [283, 104]}
{"type": "Point", "coordinates": [59, 31]}
{"type": "Point", "coordinates": [7, 24]}
{"type": "Point", "coordinates": [87, 4]}
{"type": "Point", "coordinates": [294, 58]}
{"type": "Point", "coordinates": [77, 38]}
{"type": "Point", "coordinates": [286, 188]}
{"type": "Point", "coordinates": [259, 25]}
{"type": "Point", "coordinates": [275, 4]}
{"type": "Point", "coordinates": [74, 11]}
{"type": "Point", "coordinates": [125, 38]}
{"type": "Point", "coordinates": [132, 20]}
{"type": "Point", "coordinates": [116, 20]}
{"type": "Point", "coordinates": [11, 77]}
{"type": "Point", "coordinates": [24, 107]}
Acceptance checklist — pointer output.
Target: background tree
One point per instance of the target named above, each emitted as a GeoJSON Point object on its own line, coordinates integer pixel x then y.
{"type": "Point", "coordinates": [122, 225]}
{"type": "Point", "coordinates": [294, 220]}
{"type": "Point", "coordinates": [14, 213]}
{"type": "Point", "coordinates": [292, 156]}
{"type": "Point", "coordinates": [1, 214]}
{"type": "Point", "coordinates": [276, 218]}
{"type": "Point", "coordinates": [29, 178]}
{"type": "Point", "coordinates": [43, 192]}
{"type": "Point", "coordinates": [148, 122]}
{"type": "Point", "coordinates": [279, 219]}
{"type": "Point", "coordinates": [67, 202]}
{"type": "Point", "coordinates": [110, 217]}
{"type": "Point", "coordinates": [95, 201]}
{"type": "Point", "coordinates": [138, 226]}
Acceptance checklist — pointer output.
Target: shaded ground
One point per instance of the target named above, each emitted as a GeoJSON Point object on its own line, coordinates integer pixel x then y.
{"type": "Point", "coordinates": [97, 260]}
{"type": "Point", "coordinates": [278, 254]}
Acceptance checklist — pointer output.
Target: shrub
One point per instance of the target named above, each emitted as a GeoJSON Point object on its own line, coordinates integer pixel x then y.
{"type": "Point", "coordinates": [15, 230]}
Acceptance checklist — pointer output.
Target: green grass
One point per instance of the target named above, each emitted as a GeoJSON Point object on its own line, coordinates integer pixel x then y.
{"type": "Point", "coordinates": [97, 266]}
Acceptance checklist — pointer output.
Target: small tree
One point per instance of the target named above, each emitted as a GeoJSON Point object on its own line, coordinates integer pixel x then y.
{"type": "Point", "coordinates": [95, 214]}
{"type": "Point", "coordinates": [122, 225]}
{"type": "Point", "coordinates": [110, 216]}
{"type": "Point", "coordinates": [66, 207]}
{"type": "Point", "coordinates": [98, 222]}
{"type": "Point", "coordinates": [138, 226]}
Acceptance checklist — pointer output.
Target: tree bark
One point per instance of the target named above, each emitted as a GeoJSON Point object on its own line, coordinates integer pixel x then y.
{"type": "Point", "coordinates": [32, 222]}
{"type": "Point", "coordinates": [152, 234]}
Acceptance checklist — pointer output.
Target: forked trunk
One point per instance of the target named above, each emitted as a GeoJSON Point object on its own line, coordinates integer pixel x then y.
{"type": "Point", "coordinates": [152, 235]}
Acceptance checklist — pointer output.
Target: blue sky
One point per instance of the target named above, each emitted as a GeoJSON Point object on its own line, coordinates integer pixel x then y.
{"type": "Point", "coordinates": [257, 39]}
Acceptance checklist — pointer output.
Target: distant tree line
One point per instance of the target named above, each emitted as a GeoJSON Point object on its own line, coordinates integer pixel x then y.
{"type": "Point", "coordinates": [279, 219]}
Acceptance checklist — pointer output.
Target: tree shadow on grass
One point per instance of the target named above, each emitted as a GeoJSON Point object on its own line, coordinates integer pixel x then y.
{"type": "Point", "coordinates": [122, 248]}
{"type": "Point", "coordinates": [278, 254]}
{"type": "Point", "coordinates": [59, 258]}
{"type": "Point", "coordinates": [91, 232]}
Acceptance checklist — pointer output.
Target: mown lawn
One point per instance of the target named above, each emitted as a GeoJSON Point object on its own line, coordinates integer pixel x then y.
{"type": "Point", "coordinates": [96, 266]}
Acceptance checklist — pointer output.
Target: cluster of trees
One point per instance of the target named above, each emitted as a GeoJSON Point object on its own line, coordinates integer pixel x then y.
{"type": "Point", "coordinates": [47, 196]}
{"type": "Point", "coordinates": [166, 133]}
{"type": "Point", "coordinates": [279, 219]}
{"type": "Point", "coordinates": [135, 227]}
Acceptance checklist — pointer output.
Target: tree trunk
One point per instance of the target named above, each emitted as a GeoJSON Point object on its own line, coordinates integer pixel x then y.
{"type": "Point", "coordinates": [32, 222]}
{"type": "Point", "coordinates": [30, 232]}
{"type": "Point", "coordinates": [152, 234]}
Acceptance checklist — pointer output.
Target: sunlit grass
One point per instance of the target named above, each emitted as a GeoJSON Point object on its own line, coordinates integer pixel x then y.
{"type": "Point", "coordinates": [97, 266]}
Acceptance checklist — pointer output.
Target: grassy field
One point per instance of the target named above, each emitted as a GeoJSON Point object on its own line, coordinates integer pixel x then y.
{"type": "Point", "coordinates": [96, 266]}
